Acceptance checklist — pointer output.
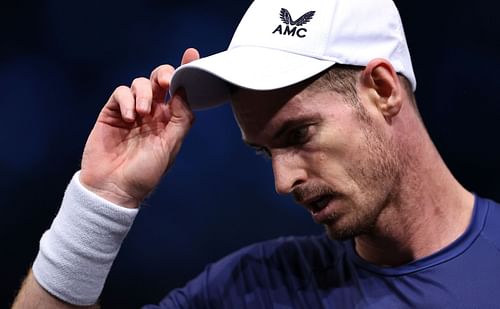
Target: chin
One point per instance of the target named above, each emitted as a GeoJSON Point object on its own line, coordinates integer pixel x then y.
{"type": "Point", "coordinates": [338, 230]}
{"type": "Point", "coordinates": [342, 234]}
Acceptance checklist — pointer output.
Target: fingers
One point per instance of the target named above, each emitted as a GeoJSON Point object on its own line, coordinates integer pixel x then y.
{"type": "Point", "coordinates": [181, 114]}
{"type": "Point", "coordinates": [143, 94]}
{"type": "Point", "coordinates": [181, 120]}
{"type": "Point", "coordinates": [190, 54]}
{"type": "Point", "coordinates": [160, 81]}
{"type": "Point", "coordinates": [133, 100]}
{"type": "Point", "coordinates": [161, 76]}
{"type": "Point", "coordinates": [123, 100]}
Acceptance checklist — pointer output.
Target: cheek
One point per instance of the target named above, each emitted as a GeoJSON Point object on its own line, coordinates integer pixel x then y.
{"type": "Point", "coordinates": [344, 140]}
{"type": "Point", "coordinates": [338, 152]}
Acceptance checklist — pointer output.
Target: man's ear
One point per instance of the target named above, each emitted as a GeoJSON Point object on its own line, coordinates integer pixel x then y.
{"type": "Point", "coordinates": [381, 84]}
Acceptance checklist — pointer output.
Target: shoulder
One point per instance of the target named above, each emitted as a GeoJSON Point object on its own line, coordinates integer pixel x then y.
{"type": "Point", "coordinates": [271, 268]}
{"type": "Point", "coordinates": [491, 221]}
{"type": "Point", "coordinates": [297, 251]}
{"type": "Point", "coordinates": [274, 266]}
{"type": "Point", "coordinates": [485, 228]}
{"type": "Point", "coordinates": [291, 246]}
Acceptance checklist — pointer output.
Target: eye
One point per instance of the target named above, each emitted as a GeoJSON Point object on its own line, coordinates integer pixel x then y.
{"type": "Point", "coordinates": [299, 135]}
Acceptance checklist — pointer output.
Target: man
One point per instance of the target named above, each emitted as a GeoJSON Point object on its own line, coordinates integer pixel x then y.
{"type": "Point", "coordinates": [326, 91]}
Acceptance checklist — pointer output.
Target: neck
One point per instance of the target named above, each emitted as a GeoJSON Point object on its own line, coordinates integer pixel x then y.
{"type": "Point", "coordinates": [430, 210]}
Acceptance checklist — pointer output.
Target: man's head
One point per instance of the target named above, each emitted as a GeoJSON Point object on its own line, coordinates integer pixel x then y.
{"type": "Point", "coordinates": [333, 141]}
{"type": "Point", "coordinates": [331, 136]}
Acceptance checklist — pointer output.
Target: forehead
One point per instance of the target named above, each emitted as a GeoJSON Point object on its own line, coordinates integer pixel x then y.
{"type": "Point", "coordinates": [261, 106]}
{"type": "Point", "coordinates": [261, 112]}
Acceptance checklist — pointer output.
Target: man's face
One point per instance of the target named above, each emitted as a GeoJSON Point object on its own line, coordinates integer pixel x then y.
{"type": "Point", "coordinates": [336, 160]}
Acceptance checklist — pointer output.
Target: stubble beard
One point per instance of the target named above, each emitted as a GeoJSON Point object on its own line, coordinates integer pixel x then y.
{"type": "Point", "coordinates": [378, 178]}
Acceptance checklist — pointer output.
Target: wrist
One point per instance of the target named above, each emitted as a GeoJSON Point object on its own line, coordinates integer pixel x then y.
{"type": "Point", "coordinates": [110, 192]}
{"type": "Point", "coordinates": [77, 252]}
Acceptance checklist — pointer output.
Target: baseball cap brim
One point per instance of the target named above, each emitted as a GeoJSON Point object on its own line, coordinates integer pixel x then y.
{"type": "Point", "coordinates": [205, 81]}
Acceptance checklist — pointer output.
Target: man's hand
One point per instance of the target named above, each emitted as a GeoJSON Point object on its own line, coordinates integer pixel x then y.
{"type": "Point", "coordinates": [136, 138]}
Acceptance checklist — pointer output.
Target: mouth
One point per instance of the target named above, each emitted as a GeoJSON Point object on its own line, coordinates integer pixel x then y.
{"type": "Point", "coordinates": [323, 208]}
{"type": "Point", "coordinates": [319, 203]}
{"type": "Point", "coordinates": [324, 204]}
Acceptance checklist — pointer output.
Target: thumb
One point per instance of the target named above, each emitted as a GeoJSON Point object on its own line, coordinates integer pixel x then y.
{"type": "Point", "coordinates": [190, 54]}
{"type": "Point", "coordinates": [181, 120]}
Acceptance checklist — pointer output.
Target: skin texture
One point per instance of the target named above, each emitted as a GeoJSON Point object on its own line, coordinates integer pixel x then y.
{"type": "Point", "coordinates": [389, 187]}
{"type": "Point", "coordinates": [331, 148]}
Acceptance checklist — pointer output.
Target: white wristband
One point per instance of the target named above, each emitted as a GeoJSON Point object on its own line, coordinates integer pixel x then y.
{"type": "Point", "coordinates": [77, 252]}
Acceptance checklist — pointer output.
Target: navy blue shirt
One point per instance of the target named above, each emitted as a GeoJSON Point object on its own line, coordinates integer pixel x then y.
{"type": "Point", "coordinates": [316, 272]}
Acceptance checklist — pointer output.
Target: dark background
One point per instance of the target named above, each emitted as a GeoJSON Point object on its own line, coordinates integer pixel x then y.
{"type": "Point", "coordinates": [60, 61]}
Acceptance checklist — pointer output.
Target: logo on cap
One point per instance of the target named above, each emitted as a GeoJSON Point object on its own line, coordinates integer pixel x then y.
{"type": "Point", "coordinates": [292, 26]}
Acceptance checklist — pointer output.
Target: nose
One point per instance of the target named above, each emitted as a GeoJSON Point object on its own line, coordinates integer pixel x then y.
{"type": "Point", "coordinates": [288, 172]}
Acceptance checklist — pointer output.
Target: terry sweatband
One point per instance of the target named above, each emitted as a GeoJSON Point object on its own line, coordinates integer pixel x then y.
{"type": "Point", "coordinates": [77, 252]}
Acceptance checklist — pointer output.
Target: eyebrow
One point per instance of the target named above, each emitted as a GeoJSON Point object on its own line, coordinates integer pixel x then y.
{"type": "Point", "coordinates": [289, 123]}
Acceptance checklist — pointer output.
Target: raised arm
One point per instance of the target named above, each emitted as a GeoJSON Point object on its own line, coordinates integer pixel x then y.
{"type": "Point", "coordinates": [134, 141]}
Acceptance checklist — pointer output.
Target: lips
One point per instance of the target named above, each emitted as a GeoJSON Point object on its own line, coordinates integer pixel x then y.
{"type": "Point", "coordinates": [322, 202]}
{"type": "Point", "coordinates": [319, 203]}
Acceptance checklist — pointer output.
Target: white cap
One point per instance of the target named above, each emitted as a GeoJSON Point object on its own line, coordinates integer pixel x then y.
{"type": "Point", "coordinates": [282, 42]}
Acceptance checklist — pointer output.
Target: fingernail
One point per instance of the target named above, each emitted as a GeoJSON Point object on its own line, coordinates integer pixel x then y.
{"type": "Point", "coordinates": [143, 104]}
{"type": "Point", "coordinates": [165, 76]}
{"type": "Point", "coordinates": [129, 114]}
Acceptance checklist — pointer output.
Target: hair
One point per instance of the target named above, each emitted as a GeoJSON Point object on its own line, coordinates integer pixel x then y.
{"type": "Point", "coordinates": [343, 79]}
